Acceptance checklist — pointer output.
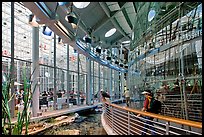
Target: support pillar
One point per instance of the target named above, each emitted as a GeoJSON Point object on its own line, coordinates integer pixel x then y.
{"type": "Point", "coordinates": [18, 74]}
{"type": "Point", "coordinates": [55, 74]}
{"type": "Point", "coordinates": [99, 79]}
{"type": "Point", "coordinates": [36, 71]}
{"type": "Point", "coordinates": [92, 95]}
{"type": "Point", "coordinates": [68, 77]}
{"type": "Point", "coordinates": [12, 104]}
{"type": "Point", "coordinates": [88, 81]}
{"type": "Point", "coordinates": [78, 79]}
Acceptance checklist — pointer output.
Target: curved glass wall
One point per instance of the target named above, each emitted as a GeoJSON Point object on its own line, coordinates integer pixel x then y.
{"type": "Point", "coordinates": [77, 87]}
{"type": "Point", "coordinates": [170, 63]}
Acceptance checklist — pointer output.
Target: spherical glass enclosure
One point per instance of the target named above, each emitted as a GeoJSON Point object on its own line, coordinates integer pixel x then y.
{"type": "Point", "coordinates": [81, 5]}
{"type": "Point", "coordinates": [110, 32]}
{"type": "Point", "coordinates": [151, 15]}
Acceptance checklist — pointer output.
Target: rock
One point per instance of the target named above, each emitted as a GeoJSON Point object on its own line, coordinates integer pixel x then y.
{"type": "Point", "coordinates": [68, 132]}
{"type": "Point", "coordinates": [80, 119]}
{"type": "Point", "coordinates": [60, 118]}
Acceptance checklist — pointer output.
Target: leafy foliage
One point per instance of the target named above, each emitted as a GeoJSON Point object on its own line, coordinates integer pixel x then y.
{"type": "Point", "coordinates": [9, 128]}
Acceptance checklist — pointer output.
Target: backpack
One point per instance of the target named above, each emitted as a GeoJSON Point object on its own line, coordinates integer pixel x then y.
{"type": "Point", "coordinates": [104, 94]}
{"type": "Point", "coordinates": [155, 106]}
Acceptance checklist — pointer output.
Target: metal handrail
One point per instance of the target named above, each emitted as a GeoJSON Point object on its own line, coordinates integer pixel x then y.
{"type": "Point", "coordinates": [124, 121]}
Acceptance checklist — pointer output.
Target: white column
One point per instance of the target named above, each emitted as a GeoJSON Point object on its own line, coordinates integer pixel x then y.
{"type": "Point", "coordinates": [18, 74]}
{"type": "Point", "coordinates": [68, 77]}
{"type": "Point", "coordinates": [12, 103]}
{"type": "Point", "coordinates": [78, 79]}
{"type": "Point", "coordinates": [55, 75]}
{"type": "Point", "coordinates": [36, 71]}
{"type": "Point", "coordinates": [88, 81]}
{"type": "Point", "coordinates": [99, 79]}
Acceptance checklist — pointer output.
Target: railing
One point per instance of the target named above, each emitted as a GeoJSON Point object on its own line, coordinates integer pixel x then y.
{"type": "Point", "coordinates": [172, 106]}
{"type": "Point", "coordinates": [120, 120]}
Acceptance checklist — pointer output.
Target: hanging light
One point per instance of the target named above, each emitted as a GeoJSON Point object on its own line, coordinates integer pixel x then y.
{"type": "Point", "coordinates": [98, 50]}
{"type": "Point", "coordinates": [33, 20]}
{"type": "Point", "coordinates": [116, 62]}
{"type": "Point", "coordinates": [108, 58]}
{"type": "Point", "coordinates": [87, 39]}
{"type": "Point", "coordinates": [47, 31]}
{"type": "Point", "coordinates": [72, 19]}
{"type": "Point", "coordinates": [121, 65]}
{"type": "Point", "coordinates": [60, 41]}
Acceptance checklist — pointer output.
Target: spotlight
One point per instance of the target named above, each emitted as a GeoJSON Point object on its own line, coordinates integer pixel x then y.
{"type": "Point", "coordinates": [116, 62]}
{"type": "Point", "coordinates": [108, 58]}
{"type": "Point", "coordinates": [88, 40]}
{"type": "Point", "coordinates": [33, 20]}
{"type": "Point", "coordinates": [73, 20]}
{"type": "Point", "coordinates": [47, 31]}
{"type": "Point", "coordinates": [98, 50]}
{"type": "Point", "coordinates": [121, 65]}
{"type": "Point", "coordinates": [60, 41]}
{"type": "Point", "coordinates": [75, 51]}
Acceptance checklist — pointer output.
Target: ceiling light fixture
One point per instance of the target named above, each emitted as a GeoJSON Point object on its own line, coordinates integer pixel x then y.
{"type": "Point", "coordinates": [60, 40]}
{"type": "Point", "coordinates": [47, 31]}
{"type": "Point", "coordinates": [126, 42]}
{"type": "Point", "coordinates": [98, 50]}
{"type": "Point", "coordinates": [110, 32]}
{"type": "Point", "coordinates": [81, 5]}
{"type": "Point", "coordinates": [33, 20]}
{"type": "Point", "coordinates": [71, 18]}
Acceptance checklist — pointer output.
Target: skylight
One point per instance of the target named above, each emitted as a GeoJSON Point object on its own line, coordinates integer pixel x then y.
{"type": "Point", "coordinates": [126, 42]}
{"type": "Point", "coordinates": [81, 5]}
{"type": "Point", "coordinates": [151, 15]}
{"type": "Point", "coordinates": [110, 32]}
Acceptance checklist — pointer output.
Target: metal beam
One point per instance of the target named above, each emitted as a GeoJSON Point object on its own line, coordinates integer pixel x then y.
{"type": "Point", "coordinates": [115, 23]}
{"type": "Point", "coordinates": [110, 17]}
{"type": "Point", "coordinates": [127, 19]}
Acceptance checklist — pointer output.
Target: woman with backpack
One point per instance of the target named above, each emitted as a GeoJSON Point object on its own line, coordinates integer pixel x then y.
{"type": "Point", "coordinates": [146, 108]}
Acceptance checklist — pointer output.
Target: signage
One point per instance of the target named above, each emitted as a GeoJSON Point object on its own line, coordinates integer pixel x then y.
{"type": "Point", "coordinates": [191, 35]}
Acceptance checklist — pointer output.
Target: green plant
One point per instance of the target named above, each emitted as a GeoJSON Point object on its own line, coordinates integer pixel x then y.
{"type": "Point", "coordinates": [22, 118]}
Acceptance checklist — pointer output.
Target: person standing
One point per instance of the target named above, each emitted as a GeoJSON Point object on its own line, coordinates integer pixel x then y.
{"type": "Point", "coordinates": [127, 97]}
{"type": "Point", "coordinates": [105, 96]}
{"type": "Point", "coordinates": [45, 100]}
{"type": "Point", "coordinates": [146, 107]}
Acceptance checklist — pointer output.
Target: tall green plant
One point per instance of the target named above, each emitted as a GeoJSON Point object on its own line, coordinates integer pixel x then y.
{"type": "Point", "coordinates": [22, 118]}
